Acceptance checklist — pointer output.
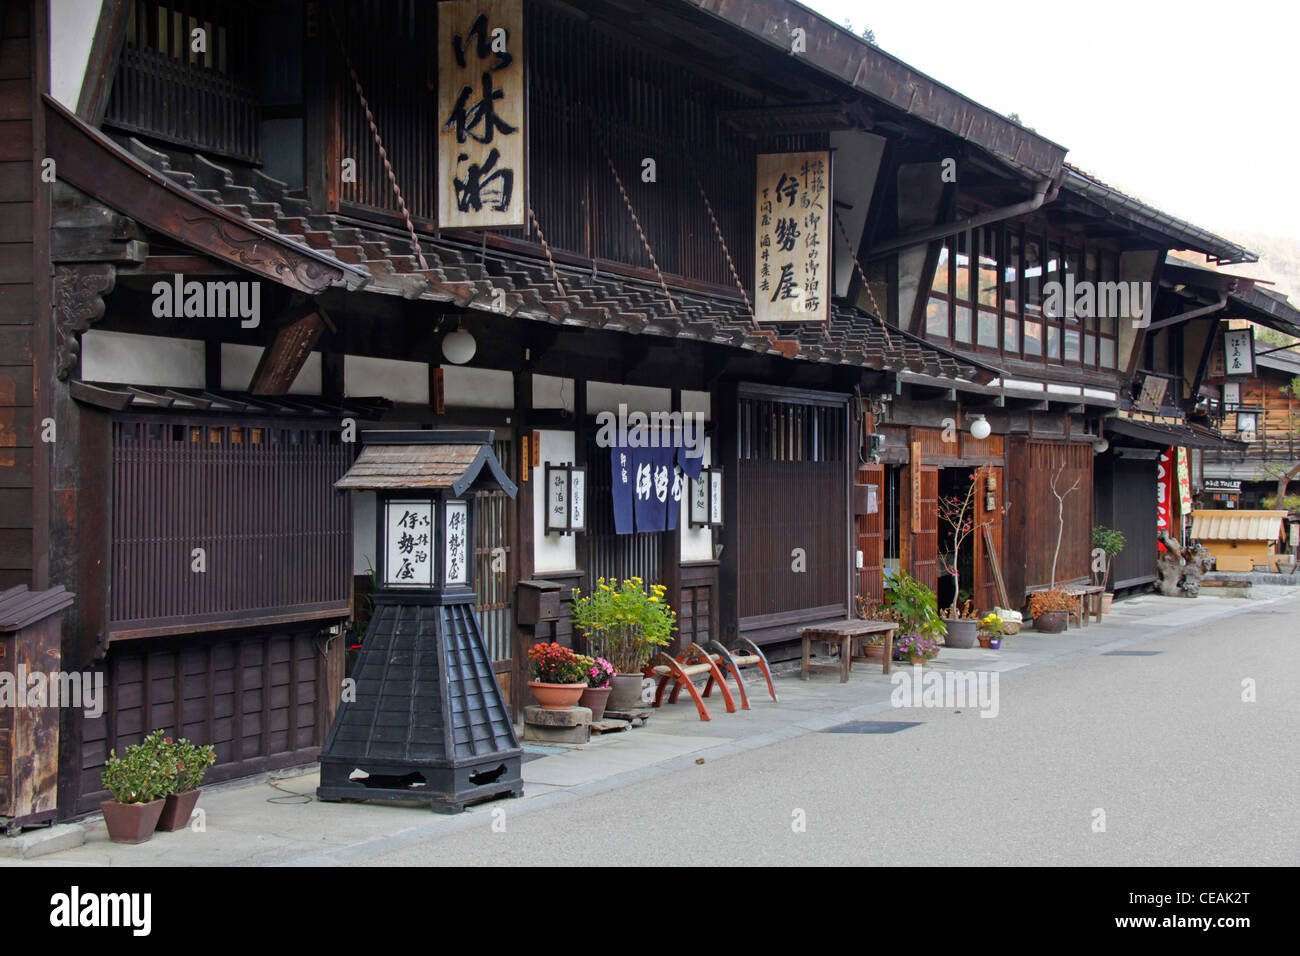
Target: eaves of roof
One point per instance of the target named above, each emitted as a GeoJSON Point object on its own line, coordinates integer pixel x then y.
{"type": "Point", "coordinates": [868, 69]}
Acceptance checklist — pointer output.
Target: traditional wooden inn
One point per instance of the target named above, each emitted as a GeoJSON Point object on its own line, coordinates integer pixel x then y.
{"type": "Point", "coordinates": [807, 289]}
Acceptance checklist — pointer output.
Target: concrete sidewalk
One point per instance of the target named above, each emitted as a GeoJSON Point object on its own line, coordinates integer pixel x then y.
{"type": "Point", "coordinates": [267, 821]}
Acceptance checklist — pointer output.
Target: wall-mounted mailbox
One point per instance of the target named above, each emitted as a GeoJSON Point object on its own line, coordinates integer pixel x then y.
{"type": "Point", "coordinates": [538, 602]}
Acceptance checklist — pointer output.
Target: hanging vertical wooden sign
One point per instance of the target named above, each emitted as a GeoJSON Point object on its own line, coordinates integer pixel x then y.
{"type": "Point", "coordinates": [914, 466]}
{"type": "Point", "coordinates": [482, 156]}
{"type": "Point", "coordinates": [792, 237]}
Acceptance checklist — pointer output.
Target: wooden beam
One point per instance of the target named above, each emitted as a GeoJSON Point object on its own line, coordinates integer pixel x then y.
{"type": "Point", "coordinates": [297, 334]}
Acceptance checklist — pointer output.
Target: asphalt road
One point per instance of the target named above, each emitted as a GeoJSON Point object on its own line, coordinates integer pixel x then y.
{"type": "Point", "coordinates": [1186, 772]}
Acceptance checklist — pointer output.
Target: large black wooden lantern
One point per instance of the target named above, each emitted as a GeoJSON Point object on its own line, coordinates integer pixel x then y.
{"type": "Point", "coordinates": [427, 722]}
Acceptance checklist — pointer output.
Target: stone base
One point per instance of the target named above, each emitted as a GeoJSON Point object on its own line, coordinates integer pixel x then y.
{"type": "Point", "coordinates": [608, 726]}
{"type": "Point", "coordinates": [569, 726]}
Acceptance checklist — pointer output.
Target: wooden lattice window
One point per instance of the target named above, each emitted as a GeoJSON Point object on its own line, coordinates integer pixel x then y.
{"type": "Point", "coordinates": [216, 524]}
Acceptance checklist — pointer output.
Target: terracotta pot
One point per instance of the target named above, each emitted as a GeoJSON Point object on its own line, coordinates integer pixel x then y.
{"type": "Point", "coordinates": [1052, 622]}
{"type": "Point", "coordinates": [985, 640]}
{"type": "Point", "coordinates": [874, 652]}
{"type": "Point", "coordinates": [961, 633]}
{"type": "Point", "coordinates": [917, 660]}
{"type": "Point", "coordinates": [626, 693]}
{"type": "Point", "coordinates": [556, 696]}
{"type": "Point", "coordinates": [596, 698]}
{"type": "Point", "coordinates": [1106, 598]}
{"type": "Point", "coordinates": [131, 822]}
{"type": "Point", "coordinates": [177, 810]}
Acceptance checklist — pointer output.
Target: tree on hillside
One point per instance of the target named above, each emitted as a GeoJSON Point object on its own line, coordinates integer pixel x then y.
{"type": "Point", "coordinates": [1284, 474]}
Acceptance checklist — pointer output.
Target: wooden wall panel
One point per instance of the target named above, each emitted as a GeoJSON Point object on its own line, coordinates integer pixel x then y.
{"type": "Point", "coordinates": [870, 536]}
{"type": "Point", "coordinates": [262, 698]}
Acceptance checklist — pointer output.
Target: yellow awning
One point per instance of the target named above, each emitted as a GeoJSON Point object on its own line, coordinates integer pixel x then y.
{"type": "Point", "coordinates": [1237, 525]}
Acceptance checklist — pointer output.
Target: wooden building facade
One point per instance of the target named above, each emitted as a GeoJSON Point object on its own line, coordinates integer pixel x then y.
{"type": "Point", "coordinates": [251, 252]}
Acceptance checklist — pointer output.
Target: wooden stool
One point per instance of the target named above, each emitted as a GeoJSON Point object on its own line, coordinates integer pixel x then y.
{"type": "Point", "coordinates": [680, 669]}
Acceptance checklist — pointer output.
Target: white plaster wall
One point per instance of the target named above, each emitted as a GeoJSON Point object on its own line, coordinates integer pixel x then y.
{"type": "Point", "coordinates": [466, 387]}
{"type": "Point", "coordinates": [72, 30]}
{"type": "Point", "coordinates": [363, 531]}
{"type": "Point", "coordinates": [693, 402]}
{"type": "Point", "coordinates": [606, 396]}
{"type": "Point", "coordinates": [697, 543]}
{"type": "Point", "coordinates": [551, 552]}
{"type": "Point", "coordinates": [141, 359]}
{"type": "Point", "coordinates": [552, 392]}
{"type": "Point", "coordinates": [397, 381]}
{"type": "Point", "coordinates": [239, 362]}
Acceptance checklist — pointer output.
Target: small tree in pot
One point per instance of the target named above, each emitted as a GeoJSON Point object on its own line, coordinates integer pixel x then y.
{"type": "Point", "coordinates": [958, 514]}
{"type": "Point", "coordinates": [138, 781]}
{"type": "Point", "coordinates": [191, 762]}
{"type": "Point", "coordinates": [1109, 542]}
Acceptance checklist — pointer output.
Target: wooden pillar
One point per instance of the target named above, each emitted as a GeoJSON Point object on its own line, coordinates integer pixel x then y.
{"type": "Point", "coordinates": [726, 454]}
{"type": "Point", "coordinates": [670, 557]}
{"type": "Point", "coordinates": [524, 530]}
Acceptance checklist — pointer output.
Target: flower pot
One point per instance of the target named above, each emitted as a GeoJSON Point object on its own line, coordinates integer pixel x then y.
{"type": "Point", "coordinates": [556, 696]}
{"type": "Point", "coordinates": [874, 652]}
{"type": "Point", "coordinates": [1052, 622]}
{"type": "Point", "coordinates": [1106, 598]}
{"type": "Point", "coordinates": [985, 639]}
{"type": "Point", "coordinates": [916, 659]}
{"type": "Point", "coordinates": [626, 693]}
{"type": "Point", "coordinates": [131, 822]}
{"type": "Point", "coordinates": [961, 633]}
{"type": "Point", "coordinates": [595, 698]}
{"type": "Point", "coordinates": [995, 643]}
{"type": "Point", "coordinates": [177, 810]}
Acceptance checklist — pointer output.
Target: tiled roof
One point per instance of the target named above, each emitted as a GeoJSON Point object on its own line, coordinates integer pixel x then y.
{"type": "Point", "coordinates": [474, 278]}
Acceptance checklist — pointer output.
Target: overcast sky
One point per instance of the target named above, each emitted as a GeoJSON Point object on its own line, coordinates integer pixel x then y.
{"type": "Point", "coordinates": [1191, 105]}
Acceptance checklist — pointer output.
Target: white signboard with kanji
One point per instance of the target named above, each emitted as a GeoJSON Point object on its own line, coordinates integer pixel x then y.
{"type": "Point", "coordinates": [457, 544]}
{"type": "Point", "coordinates": [408, 543]}
{"type": "Point", "coordinates": [1239, 352]}
{"type": "Point", "coordinates": [792, 237]}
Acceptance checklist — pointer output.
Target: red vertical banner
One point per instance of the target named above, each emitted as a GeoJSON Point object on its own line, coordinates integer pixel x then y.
{"type": "Point", "coordinates": [1164, 492]}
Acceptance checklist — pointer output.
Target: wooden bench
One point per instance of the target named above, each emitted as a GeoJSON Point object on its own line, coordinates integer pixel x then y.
{"type": "Point", "coordinates": [680, 669]}
{"type": "Point", "coordinates": [845, 633]}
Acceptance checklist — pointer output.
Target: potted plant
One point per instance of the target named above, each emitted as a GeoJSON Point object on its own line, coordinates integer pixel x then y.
{"type": "Point", "coordinates": [957, 513]}
{"type": "Point", "coordinates": [559, 676]}
{"type": "Point", "coordinates": [625, 624]}
{"type": "Point", "coordinates": [191, 762]}
{"type": "Point", "coordinates": [915, 608]}
{"type": "Point", "coordinates": [1051, 610]}
{"type": "Point", "coordinates": [138, 781]}
{"type": "Point", "coordinates": [960, 624]}
{"type": "Point", "coordinates": [1109, 542]}
{"type": "Point", "coordinates": [600, 678]}
{"type": "Point", "coordinates": [990, 632]}
{"type": "Point", "coordinates": [917, 648]}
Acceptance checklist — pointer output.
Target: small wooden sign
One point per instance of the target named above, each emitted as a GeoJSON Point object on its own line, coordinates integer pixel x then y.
{"type": "Point", "coordinates": [1239, 351]}
{"type": "Point", "coordinates": [792, 237]}
{"type": "Point", "coordinates": [915, 466]}
{"type": "Point", "coordinates": [482, 160]}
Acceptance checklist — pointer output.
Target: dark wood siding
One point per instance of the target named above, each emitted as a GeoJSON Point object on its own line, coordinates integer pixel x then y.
{"type": "Point", "coordinates": [18, 216]}
{"type": "Point", "coordinates": [1126, 499]}
{"type": "Point", "coordinates": [257, 498]}
{"type": "Point", "coordinates": [205, 101]}
{"type": "Point", "coordinates": [1032, 521]}
{"type": "Point", "coordinates": [262, 698]}
{"type": "Point", "coordinates": [792, 480]}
